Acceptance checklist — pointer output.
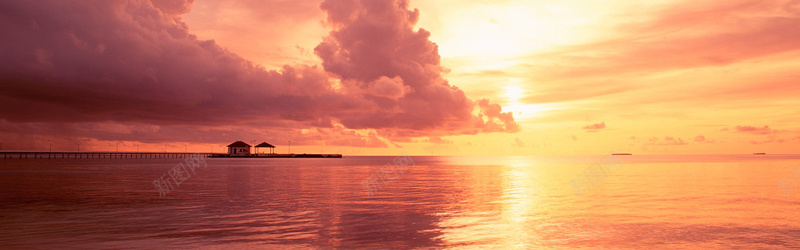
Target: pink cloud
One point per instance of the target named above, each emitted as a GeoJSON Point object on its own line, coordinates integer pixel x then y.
{"type": "Point", "coordinates": [756, 130]}
{"type": "Point", "coordinates": [375, 39]}
{"type": "Point", "coordinates": [769, 139]}
{"type": "Point", "coordinates": [438, 140]}
{"type": "Point", "coordinates": [699, 138]}
{"type": "Point", "coordinates": [390, 88]}
{"type": "Point", "coordinates": [680, 36]}
{"type": "Point", "coordinates": [676, 38]}
{"type": "Point", "coordinates": [667, 141]}
{"type": "Point", "coordinates": [594, 127]}
{"type": "Point", "coordinates": [173, 7]}
{"type": "Point", "coordinates": [135, 62]}
{"type": "Point", "coordinates": [66, 136]}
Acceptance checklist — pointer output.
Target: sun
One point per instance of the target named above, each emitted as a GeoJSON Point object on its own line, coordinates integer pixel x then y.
{"type": "Point", "coordinates": [514, 95]}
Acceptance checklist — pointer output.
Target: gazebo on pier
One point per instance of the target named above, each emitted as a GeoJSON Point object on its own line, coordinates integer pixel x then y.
{"type": "Point", "coordinates": [266, 145]}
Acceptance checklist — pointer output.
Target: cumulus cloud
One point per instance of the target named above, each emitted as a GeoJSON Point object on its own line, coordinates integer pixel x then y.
{"type": "Point", "coordinates": [173, 7]}
{"type": "Point", "coordinates": [135, 62]}
{"type": "Point", "coordinates": [37, 134]}
{"type": "Point", "coordinates": [374, 40]}
{"type": "Point", "coordinates": [390, 88]}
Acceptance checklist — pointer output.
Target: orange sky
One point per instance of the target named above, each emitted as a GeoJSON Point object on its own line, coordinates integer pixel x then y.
{"type": "Point", "coordinates": [580, 77]}
{"type": "Point", "coordinates": [664, 77]}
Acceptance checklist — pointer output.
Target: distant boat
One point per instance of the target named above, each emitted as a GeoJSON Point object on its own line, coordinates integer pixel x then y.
{"type": "Point", "coordinates": [621, 154]}
{"type": "Point", "coordinates": [759, 153]}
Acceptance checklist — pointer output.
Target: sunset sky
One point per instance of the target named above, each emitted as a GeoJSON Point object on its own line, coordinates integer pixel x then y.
{"type": "Point", "coordinates": [383, 77]}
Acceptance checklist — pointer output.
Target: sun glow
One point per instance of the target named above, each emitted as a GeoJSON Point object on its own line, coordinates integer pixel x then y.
{"type": "Point", "coordinates": [506, 31]}
{"type": "Point", "coordinates": [513, 95]}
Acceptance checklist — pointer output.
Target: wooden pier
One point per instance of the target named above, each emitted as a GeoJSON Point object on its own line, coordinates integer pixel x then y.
{"type": "Point", "coordinates": [142, 155]}
{"type": "Point", "coordinates": [95, 155]}
{"type": "Point", "coordinates": [277, 156]}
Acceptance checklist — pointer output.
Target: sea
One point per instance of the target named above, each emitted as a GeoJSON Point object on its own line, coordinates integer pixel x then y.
{"type": "Point", "coordinates": [403, 202]}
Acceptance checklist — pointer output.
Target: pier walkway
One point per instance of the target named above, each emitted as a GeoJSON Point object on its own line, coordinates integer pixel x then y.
{"type": "Point", "coordinates": [94, 155]}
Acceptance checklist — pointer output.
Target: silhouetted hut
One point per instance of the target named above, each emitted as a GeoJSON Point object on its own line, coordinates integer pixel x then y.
{"type": "Point", "coordinates": [266, 145]}
{"type": "Point", "coordinates": [239, 148]}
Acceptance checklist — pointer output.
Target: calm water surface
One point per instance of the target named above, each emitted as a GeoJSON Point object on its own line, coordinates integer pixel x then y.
{"type": "Point", "coordinates": [673, 202]}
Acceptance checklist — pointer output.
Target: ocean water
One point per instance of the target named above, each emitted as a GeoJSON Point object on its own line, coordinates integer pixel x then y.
{"type": "Point", "coordinates": [524, 202]}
